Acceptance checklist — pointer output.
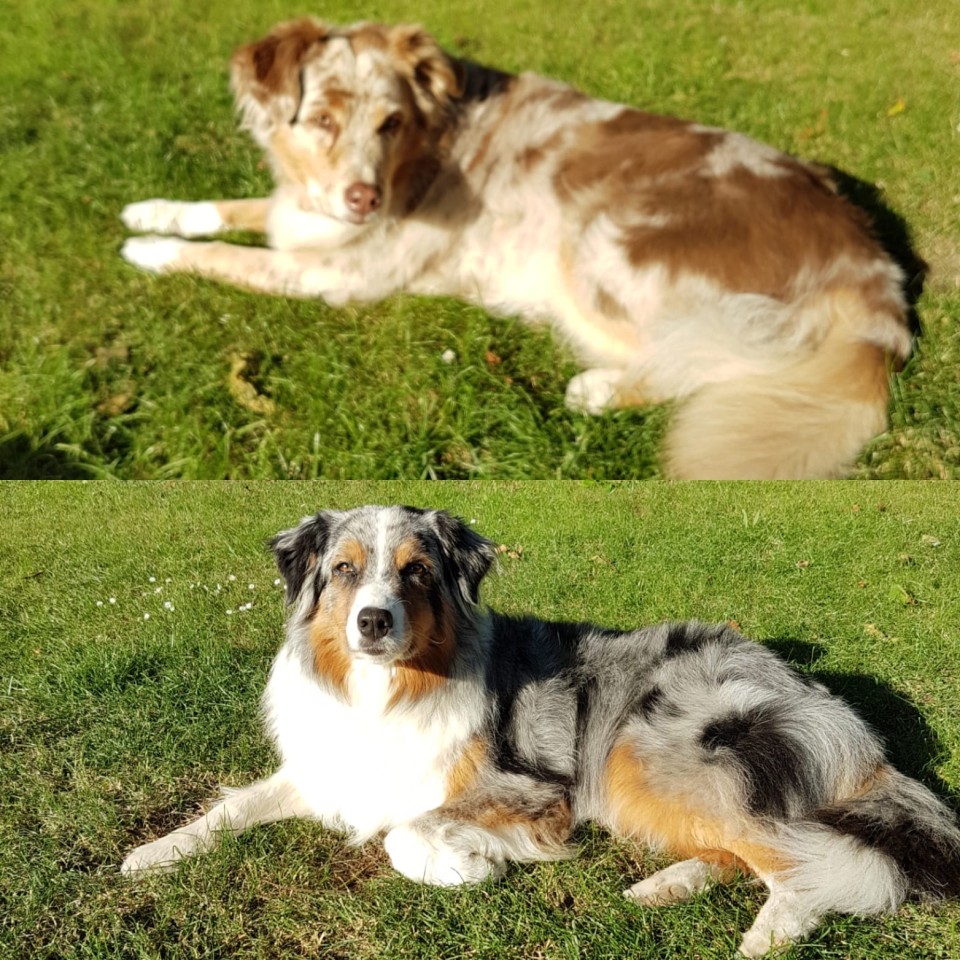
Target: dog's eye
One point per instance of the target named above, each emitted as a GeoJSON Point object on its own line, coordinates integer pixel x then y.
{"type": "Point", "coordinates": [346, 568]}
{"type": "Point", "coordinates": [415, 569]}
{"type": "Point", "coordinates": [391, 124]}
{"type": "Point", "coordinates": [323, 121]}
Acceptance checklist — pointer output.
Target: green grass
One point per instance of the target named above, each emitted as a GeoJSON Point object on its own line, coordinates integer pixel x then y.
{"type": "Point", "coordinates": [104, 371]}
{"type": "Point", "coordinates": [113, 728]}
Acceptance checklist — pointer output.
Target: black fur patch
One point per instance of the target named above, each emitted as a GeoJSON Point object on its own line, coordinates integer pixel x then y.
{"type": "Point", "coordinates": [297, 551]}
{"type": "Point", "coordinates": [467, 555]}
{"type": "Point", "coordinates": [929, 860]}
{"type": "Point", "coordinates": [650, 702]}
{"type": "Point", "coordinates": [771, 761]}
{"type": "Point", "coordinates": [689, 638]}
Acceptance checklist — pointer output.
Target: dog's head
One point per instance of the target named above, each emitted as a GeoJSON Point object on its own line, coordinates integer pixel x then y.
{"type": "Point", "coordinates": [344, 113]}
{"type": "Point", "coordinates": [388, 585]}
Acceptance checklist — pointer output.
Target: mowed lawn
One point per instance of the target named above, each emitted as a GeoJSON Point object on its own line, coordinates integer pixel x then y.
{"type": "Point", "coordinates": [138, 622]}
{"type": "Point", "coordinates": [105, 371]}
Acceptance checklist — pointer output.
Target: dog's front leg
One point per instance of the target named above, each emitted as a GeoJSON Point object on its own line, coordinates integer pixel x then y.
{"type": "Point", "coordinates": [265, 801]}
{"type": "Point", "coordinates": [473, 837]}
{"type": "Point", "coordinates": [205, 218]}
{"type": "Point", "coordinates": [290, 273]}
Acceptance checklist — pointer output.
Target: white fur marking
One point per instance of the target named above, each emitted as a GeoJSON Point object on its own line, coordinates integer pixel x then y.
{"type": "Point", "coordinates": [153, 254]}
{"type": "Point", "coordinates": [430, 860]}
{"type": "Point", "coordinates": [592, 391]}
{"type": "Point", "coordinates": [675, 883]}
{"type": "Point", "coordinates": [173, 217]}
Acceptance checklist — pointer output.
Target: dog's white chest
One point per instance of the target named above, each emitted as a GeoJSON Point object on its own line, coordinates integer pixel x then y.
{"type": "Point", "coordinates": [354, 765]}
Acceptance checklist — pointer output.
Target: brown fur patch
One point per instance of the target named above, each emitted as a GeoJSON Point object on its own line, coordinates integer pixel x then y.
{"type": "Point", "coordinates": [270, 67]}
{"type": "Point", "coordinates": [746, 231]}
{"type": "Point", "coordinates": [607, 304]}
{"type": "Point", "coordinates": [620, 153]}
{"type": "Point", "coordinates": [416, 55]}
{"type": "Point", "coordinates": [637, 810]}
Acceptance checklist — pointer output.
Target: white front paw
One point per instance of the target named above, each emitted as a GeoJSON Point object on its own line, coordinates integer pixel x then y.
{"type": "Point", "coordinates": [429, 860]}
{"type": "Point", "coordinates": [153, 254]}
{"type": "Point", "coordinates": [592, 391]}
{"type": "Point", "coordinates": [160, 855]}
{"type": "Point", "coordinates": [172, 217]}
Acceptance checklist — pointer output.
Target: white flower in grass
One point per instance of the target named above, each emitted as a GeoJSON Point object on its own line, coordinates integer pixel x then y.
{"type": "Point", "coordinates": [113, 600]}
{"type": "Point", "coordinates": [276, 582]}
{"type": "Point", "coordinates": [99, 603]}
{"type": "Point", "coordinates": [251, 586]}
{"type": "Point", "coordinates": [231, 577]}
{"type": "Point", "coordinates": [146, 616]}
{"type": "Point", "coordinates": [151, 579]}
{"type": "Point", "coordinates": [229, 613]}
{"type": "Point", "coordinates": [167, 605]}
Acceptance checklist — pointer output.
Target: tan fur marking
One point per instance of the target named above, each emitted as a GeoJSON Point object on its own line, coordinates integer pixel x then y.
{"type": "Point", "coordinates": [244, 214]}
{"type": "Point", "coordinates": [638, 811]}
{"type": "Point", "coordinates": [870, 783]}
{"type": "Point", "coordinates": [352, 551]}
{"type": "Point", "coordinates": [547, 827]}
{"type": "Point", "coordinates": [464, 772]}
{"type": "Point", "coordinates": [328, 638]}
{"type": "Point", "coordinates": [410, 551]}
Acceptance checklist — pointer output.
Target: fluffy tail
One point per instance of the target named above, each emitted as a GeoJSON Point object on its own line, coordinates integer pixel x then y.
{"type": "Point", "coordinates": [806, 421]}
{"type": "Point", "coordinates": [901, 819]}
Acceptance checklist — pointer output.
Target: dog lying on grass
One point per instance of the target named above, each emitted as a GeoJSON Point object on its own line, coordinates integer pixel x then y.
{"type": "Point", "coordinates": [680, 262]}
{"type": "Point", "coordinates": [399, 706]}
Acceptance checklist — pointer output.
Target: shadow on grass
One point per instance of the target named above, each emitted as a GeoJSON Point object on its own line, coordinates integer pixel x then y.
{"type": "Point", "coordinates": [893, 234]}
{"type": "Point", "coordinates": [22, 459]}
{"type": "Point", "coordinates": [912, 746]}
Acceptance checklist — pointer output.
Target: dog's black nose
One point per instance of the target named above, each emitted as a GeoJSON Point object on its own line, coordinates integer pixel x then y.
{"type": "Point", "coordinates": [374, 623]}
{"type": "Point", "coordinates": [362, 198]}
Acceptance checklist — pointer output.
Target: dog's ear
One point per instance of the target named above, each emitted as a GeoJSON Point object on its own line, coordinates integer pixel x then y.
{"type": "Point", "coordinates": [297, 551]}
{"type": "Point", "coordinates": [265, 75]}
{"type": "Point", "coordinates": [434, 76]}
{"type": "Point", "coordinates": [468, 555]}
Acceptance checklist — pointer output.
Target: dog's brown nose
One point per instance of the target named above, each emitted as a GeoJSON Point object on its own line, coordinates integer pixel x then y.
{"type": "Point", "coordinates": [374, 623]}
{"type": "Point", "coordinates": [362, 198]}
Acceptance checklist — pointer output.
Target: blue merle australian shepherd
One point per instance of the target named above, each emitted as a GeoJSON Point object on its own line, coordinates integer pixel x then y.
{"type": "Point", "coordinates": [400, 706]}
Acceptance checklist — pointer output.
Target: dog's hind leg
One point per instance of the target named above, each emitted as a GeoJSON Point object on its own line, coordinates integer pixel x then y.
{"type": "Point", "coordinates": [608, 388]}
{"type": "Point", "coordinates": [678, 882]}
{"type": "Point", "coordinates": [265, 801]}
{"type": "Point", "coordinates": [784, 919]}
{"type": "Point", "coordinates": [204, 219]}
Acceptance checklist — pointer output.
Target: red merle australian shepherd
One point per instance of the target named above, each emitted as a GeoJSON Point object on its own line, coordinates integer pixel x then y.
{"type": "Point", "coordinates": [400, 706]}
{"type": "Point", "coordinates": [680, 262]}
